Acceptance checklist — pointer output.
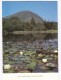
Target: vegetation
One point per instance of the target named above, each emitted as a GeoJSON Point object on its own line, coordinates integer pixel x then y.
{"type": "Point", "coordinates": [50, 25]}
{"type": "Point", "coordinates": [12, 24]}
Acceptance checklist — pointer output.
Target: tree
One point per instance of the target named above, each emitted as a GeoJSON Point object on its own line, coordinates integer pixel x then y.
{"type": "Point", "coordinates": [32, 22]}
{"type": "Point", "coordinates": [50, 25]}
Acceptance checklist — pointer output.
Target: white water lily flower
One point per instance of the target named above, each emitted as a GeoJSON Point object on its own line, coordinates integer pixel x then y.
{"type": "Point", "coordinates": [7, 42]}
{"type": "Point", "coordinates": [7, 66]}
{"type": "Point", "coordinates": [50, 40]}
{"type": "Point", "coordinates": [44, 60]}
{"type": "Point", "coordinates": [55, 51]}
{"type": "Point", "coordinates": [21, 52]}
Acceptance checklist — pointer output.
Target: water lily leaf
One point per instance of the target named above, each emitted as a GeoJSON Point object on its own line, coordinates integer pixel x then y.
{"type": "Point", "coordinates": [29, 53]}
{"type": "Point", "coordinates": [32, 65]}
{"type": "Point", "coordinates": [26, 58]}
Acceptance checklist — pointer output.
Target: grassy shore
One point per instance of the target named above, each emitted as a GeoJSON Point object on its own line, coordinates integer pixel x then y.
{"type": "Point", "coordinates": [32, 32]}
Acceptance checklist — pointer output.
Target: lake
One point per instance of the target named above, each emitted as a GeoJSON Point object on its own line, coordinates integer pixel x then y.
{"type": "Point", "coordinates": [30, 42]}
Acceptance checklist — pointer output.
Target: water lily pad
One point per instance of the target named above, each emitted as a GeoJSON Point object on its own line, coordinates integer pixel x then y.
{"type": "Point", "coordinates": [33, 60]}
{"type": "Point", "coordinates": [32, 65]}
{"type": "Point", "coordinates": [29, 53]}
{"type": "Point", "coordinates": [40, 56]}
{"type": "Point", "coordinates": [26, 58]}
{"type": "Point", "coordinates": [33, 56]}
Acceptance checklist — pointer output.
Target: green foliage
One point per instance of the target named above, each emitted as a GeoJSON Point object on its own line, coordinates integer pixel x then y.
{"type": "Point", "coordinates": [15, 24]}
{"type": "Point", "coordinates": [32, 22]}
{"type": "Point", "coordinates": [32, 65]}
{"type": "Point", "coordinates": [29, 53]}
{"type": "Point", "coordinates": [50, 25]}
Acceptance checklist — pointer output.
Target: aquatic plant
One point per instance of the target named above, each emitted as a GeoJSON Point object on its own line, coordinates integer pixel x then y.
{"type": "Point", "coordinates": [44, 60]}
{"type": "Point", "coordinates": [31, 65]}
{"type": "Point", "coordinates": [7, 66]}
{"type": "Point", "coordinates": [29, 53]}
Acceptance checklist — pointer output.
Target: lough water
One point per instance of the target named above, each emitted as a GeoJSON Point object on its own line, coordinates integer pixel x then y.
{"type": "Point", "coordinates": [30, 41]}
{"type": "Point", "coordinates": [13, 43]}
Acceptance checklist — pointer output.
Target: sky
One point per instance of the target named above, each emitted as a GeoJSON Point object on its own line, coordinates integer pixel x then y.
{"type": "Point", "coordinates": [45, 9]}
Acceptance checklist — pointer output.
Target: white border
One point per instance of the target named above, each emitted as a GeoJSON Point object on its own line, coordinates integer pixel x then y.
{"type": "Point", "coordinates": [59, 38]}
{"type": "Point", "coordinates": [31, 76]}
{"type": "Point", "coordinates": [1, 41]}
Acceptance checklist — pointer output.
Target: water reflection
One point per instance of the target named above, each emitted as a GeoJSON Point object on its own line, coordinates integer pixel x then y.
{"type": "Point", "coordinates": [29, 37]}
{"type": "Point", "coordinates": [30, 42]}
{"type": "Point", "coordinates": [50, 36]}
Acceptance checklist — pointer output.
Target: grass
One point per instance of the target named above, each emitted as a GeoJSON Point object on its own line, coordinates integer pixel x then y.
{"type": "Point", "coordinates": [32, 32]}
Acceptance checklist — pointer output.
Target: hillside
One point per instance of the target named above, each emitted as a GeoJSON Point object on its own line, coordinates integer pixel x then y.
{"type": "Point", "coordinates": [26, 21]}
{"type": "Point", "coordinates": [26, 16]}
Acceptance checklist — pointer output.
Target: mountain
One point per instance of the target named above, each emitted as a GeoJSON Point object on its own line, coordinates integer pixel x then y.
{"type": "Point", "coordinates": [26, 21]}
{"type": "Point", "coordinates": [26, 16]}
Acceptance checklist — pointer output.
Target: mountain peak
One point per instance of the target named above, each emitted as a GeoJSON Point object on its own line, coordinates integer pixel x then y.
{"type": "Point", "coordinates": [26, 16]}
